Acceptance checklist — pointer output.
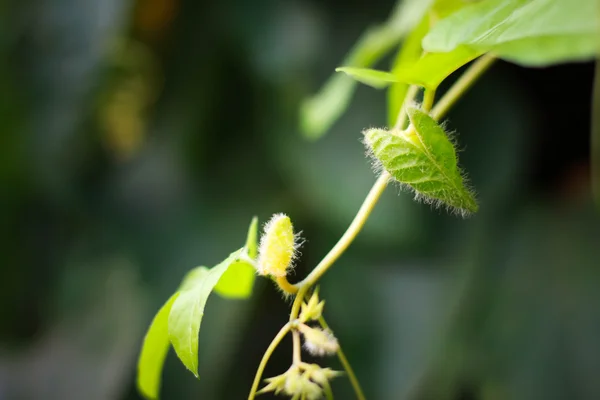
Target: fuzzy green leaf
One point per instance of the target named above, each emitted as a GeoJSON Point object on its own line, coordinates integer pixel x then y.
{"type": "Point", "coordinates": [527, 32]}
{"type": "Point", "coordinates": [187, 311]}
{"type": "Point", "coordinates": [371, 77]}
{"type": "Point", "coordinates": [319, 112]}
{"type": "Point", "coordinates": [237, 282]}
{"type": "Point", "coordinates": [154, 351]}
{"type": "Point", "coordinates": [433, 68]}
{"type": "Point", "coordinates": [424, 159]}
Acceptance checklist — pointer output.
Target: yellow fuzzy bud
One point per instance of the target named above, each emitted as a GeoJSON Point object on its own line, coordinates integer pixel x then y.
{"type": "Point", "coordinates": [277, 247]}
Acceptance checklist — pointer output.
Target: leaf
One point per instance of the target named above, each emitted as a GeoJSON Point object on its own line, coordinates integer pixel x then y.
{"type": "Point", "coordinates": [252, 239]}
{"type": "Point", "coordinates": [371, 77]}
{"type": "Point", "coordinates": [424, 159]}
{"type": "Point", "coordinates": [433, 68]}
{"type": "Point", "coordinates": [319, 112]}
{"type": "Point", "coordinates": [237, 282]}
{"type": "Point", "coordinates": [187, 311]}
{"type": "Point", "coordinates": [409, 53]}
{"type": "Point", "coordinates": [527, 32]}
{"type": "Point", "coordinates": [154, 352]}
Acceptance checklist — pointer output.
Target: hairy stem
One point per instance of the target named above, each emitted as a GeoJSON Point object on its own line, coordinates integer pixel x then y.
{"type": "Point", "coordinates": [346, 364]}
{"type": "Point", "coordinates": [462, 85]}
{"type": "Point", "coordinates": [263, 363]}
{"type": "Point", "coordinates": [284, 285]}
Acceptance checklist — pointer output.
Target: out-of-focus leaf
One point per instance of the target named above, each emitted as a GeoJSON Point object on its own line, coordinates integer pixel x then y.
{"type": "Point", "coordinates": [319, 112]}
{"type": "Point", "coordinates": [433, 68]}
{"type": "Point", "coordinates": [408, 54]}
{"type": "Point", "coordinates": [527, 32]}
{"type": "Point", "coordinates": [372, 77]}
{"type": "Point", "coordinates": [237, 282]}
{"type": "Point", "coordinates": [154, 352]}
{"type": "Point", "coordinates": [187, 311]}
{"type": "Point", "coordinates": [595, 136]}
{"type": "Point", "coordinates": [424, 159]}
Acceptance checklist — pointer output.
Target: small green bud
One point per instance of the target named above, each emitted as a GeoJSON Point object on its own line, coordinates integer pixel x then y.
{"type": "Point", "coordinates": [312, 309]}
{"type": "Point", "coordinates": [277, 248]}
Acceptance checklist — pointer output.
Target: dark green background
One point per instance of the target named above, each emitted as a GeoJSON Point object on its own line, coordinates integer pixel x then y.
{"type": "Point", "coordinates": [96, 233]}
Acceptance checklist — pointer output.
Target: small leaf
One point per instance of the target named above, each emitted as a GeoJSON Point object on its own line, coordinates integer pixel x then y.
{"type": "Point", "coordinates": [237, 282]}
{"type": "Point", "coordinates": [433, 68]}
{"type": "Point", "coordinates": [528, 32]}
{"type": "Point", "coordinates": [154, 352]}
{"type": "Point", "coordinates": [423, 158]}
{"type": "Point", "coordinates": [319, 112]}
{"type": "Point", "coordinates": [252, 239]}
{"type": "Point", "coordinates": [371, 77]}
{"type": "Point", "coordinates": [187, 311]}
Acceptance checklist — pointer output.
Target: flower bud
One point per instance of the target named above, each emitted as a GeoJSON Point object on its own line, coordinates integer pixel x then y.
{"type": "Point", "coordinates": [312, 309]}
{"type": "Point", "coordinates": [319, 342]}
{"type": "Point", "coordinates": [277, 247]}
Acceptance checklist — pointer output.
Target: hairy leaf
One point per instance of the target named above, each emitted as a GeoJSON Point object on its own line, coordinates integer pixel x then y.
{"type": "Point", "coordinates": [528, 32]}
{"type": "Point", "coordinates": [423, 158]}
{"type": "Point", "coordinates": [154, 351]}
{"type": "Point", "coordinates": [237, 282]}
{"type": "Point", "coordinates": [371, 77]}
{"type": "Point", "coordinates": [187, 311]}
{"type": "Point", "coordinates": [319, 112]}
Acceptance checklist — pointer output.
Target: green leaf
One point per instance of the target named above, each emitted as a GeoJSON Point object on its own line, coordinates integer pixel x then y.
{"type": "Point", "coordinates": [319, 112]}
{"type": "Point", "coordinates": [424, 159]}
{"type": "Point", "coordinates": [409, 53]}
{"type": "Point", "coordinates": [527, 32]}
{"type": "Point", "coordinates": [371, 77]}
{"type": "Point", "coordinates": [187, 310]}
{"type": "Point", "coordinates": [237, 282]}
{"type": "Point", "coordinates": [252, 239]}
{"type": "Point", "coordinates": [433, 68]}
{"type": "Point", "coordinates": [154, 352]}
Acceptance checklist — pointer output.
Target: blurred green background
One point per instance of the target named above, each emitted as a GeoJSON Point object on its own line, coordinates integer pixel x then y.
{"type": "Point", "coordinates": [138, 139]}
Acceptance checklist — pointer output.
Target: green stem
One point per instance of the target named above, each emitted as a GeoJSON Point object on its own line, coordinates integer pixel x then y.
{"type": "Point", "coordinates": [348, 236]}
{"type": "Point", "coordinates": [462, 85]}
{"type": "Point", "coordinates": [428, 98]}
{"type": "Point", "coordinates": [440, 109]}
{"type": "Point", "coordinates": [263, 363]}
{"type": "Point", "coordinates": [401, 118]}
{"type": "Point", "coordinates": [327, 390]}
{"type": "Point", "coordinates": [346, 364]}
{"type": "Point", "coordinates": [297, 359]}
{"type": "Point", "coordinates": [284, 285]}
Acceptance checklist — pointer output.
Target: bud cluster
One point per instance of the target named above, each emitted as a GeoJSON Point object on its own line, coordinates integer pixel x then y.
{"type": "Point", "coordinates": [301, 381]}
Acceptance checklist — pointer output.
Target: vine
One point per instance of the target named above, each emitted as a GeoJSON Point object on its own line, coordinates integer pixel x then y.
{"type": "Point", "coordinates": [441, 37]}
